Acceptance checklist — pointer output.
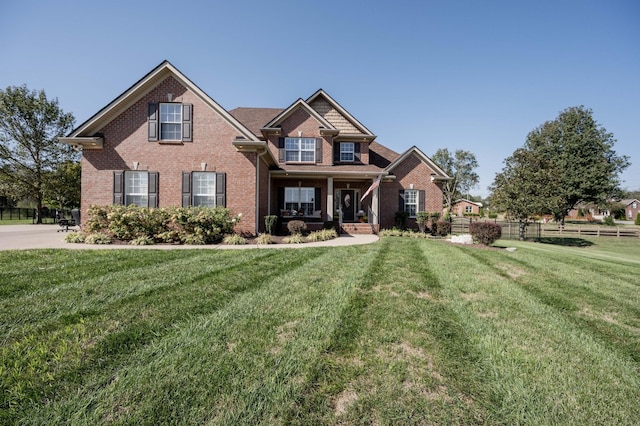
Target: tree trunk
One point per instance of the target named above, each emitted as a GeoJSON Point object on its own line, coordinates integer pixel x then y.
{"type": "Point", "coordinates": [39, 210]}
{"type": "Point", "coordinates": [522, 229]}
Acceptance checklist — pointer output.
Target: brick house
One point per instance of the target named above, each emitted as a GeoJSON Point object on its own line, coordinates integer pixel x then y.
{"type": "Point", "coordinates": [463, 206]}
{"type": "Point", "coordinates": [631, 208]}
{"type": "Point", "coordinates": [164, 142]}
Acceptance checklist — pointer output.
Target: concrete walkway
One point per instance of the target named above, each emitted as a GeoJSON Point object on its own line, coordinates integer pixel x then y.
{"type": "Point", "coordinates": [22, 237]}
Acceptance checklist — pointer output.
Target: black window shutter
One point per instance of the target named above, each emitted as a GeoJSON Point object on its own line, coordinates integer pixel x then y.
{"type": "Point", "coordinates": [152, 120]}
{"type": "Point", "coordinates": [318, 150]}
{"type": "Point", "coordinates": [186, 189]}
{"type": "Point", "coordinates": [281, 197]}
{"type": "Point", "coordinates": [187, 123]}
{"type": "Point", "coordinates": [153, 189]}
{"type": "Point", "coordinates": [118, 187]}
{"type": "Point", "coordinates": [281, 153]}
{"type": "Point", "coordinates": [221, 190]}
{"type": "Point", "coordinates": [356, 152]}
{"type": "Point", "coordinates": [317, 200]}
{"type": "Point", "coordinates": [401, 200]}
{"type": "Point", "coordinates": [421, 195]}
{"type": "Point", "coordinates": [336, 152]}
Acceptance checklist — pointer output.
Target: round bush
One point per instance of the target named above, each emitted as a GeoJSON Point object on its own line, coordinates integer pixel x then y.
{"type": "Point", "coordinates": [296, 227]}
{"type": "Point", "coordinates": [485, 233]}
{"type": "Point", "coordinates": [441, 228]}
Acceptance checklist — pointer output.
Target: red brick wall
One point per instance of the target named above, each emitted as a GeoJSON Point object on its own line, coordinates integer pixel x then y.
{"type": "Point", "coordinates": [460, 208]}
{"type": "Point", "coordinates": [301, 121]}
{"type": "Point", "coordinates": [411, 171]}
{"type": "Point", "coordinates": [125, 141]}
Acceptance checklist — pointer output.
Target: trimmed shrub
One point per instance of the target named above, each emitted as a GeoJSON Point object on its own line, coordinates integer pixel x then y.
{"type": "Point", "coordinates": [270, 222]}
{"type": "Point", "coordinates": [485, 233]}
{"type": "Point", "coordinates": [141, 241]}
{"type": "Point", "coordinates": [401, 219]}
{"type": "Point", "coordinates": [322, 235]}
{"type": "Point", "coordinates": [608, 221]}
{"type": "Point", "coordinates": [264, 239]}
{"type": "Point", "coordinates": [638, 219]}
{"type": "Point", "coordinates": [296, 227]}
{"type": "Point", "coordinates": [441, 228]}
{"type": "Point", "coordinates": [98, 238]}
{"type": "Point", "coordinates": [293, 239]}
{"type": "Point", "coordinates": [192, 225]}
{"type": "Point", "coordinates": [421, 220]}
{"type": "Point", "coordinates": [75, 237]}
{"type": "Point", "coordinates": [234, 240]}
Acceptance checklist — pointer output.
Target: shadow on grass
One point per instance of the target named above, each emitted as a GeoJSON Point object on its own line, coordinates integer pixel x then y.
{"type": "Point", "coordinates": [566, 241]}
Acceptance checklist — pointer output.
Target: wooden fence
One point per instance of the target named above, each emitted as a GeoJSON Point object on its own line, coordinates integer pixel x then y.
{"type": "Point", "coordinates": [536, 230]}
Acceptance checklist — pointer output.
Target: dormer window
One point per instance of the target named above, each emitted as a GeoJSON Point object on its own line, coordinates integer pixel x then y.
{"type": "Point", "coordinates": [300, 150]}
{"type": "Point", "coordinates": [347, 151]}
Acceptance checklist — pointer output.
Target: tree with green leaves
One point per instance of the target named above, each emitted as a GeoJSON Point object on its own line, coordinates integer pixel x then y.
{"type": "Point", "coordinates": [461, 168]}
{"type": "Point", "coordinates": [62, 187]}
{"type": "Point", "coordinates": [581, 152]}
{"type": "Point", "coordinates": [563, 162]}
{"type": "Point", "coordinates": [30, 125]}
{"type": "Point", "coordinates": [522, 189]}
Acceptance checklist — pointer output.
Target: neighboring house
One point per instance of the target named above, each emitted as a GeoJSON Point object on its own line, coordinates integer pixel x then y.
{"type": "Point", "coordinates": [463, 206]}
{"type": "Point", "coordinates": [164, 142]}
{"type": "Point", "coordinates": [631, 208]}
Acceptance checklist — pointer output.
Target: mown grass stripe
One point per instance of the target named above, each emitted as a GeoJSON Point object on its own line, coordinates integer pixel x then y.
{"type": "Point", "coordinates": [244, 335]}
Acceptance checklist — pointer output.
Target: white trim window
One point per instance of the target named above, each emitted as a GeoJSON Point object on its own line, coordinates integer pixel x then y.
{"type": "Point", "coordinates": [300, 150]}
{"type": "Point", "coordinates": [468, 209]}
{"type": "Point", "coordinates": [411, 201]}
{"type": "Point", "coordinates": [299, 199]}
{"type": "Point", "coordinates": [204, 189]}
{"type": "Point", "coordinates": [171, 122]}
{"type": "Point", "coordinates": [347, 151]}
{"type": "Point", "coordinates": [136, 188]}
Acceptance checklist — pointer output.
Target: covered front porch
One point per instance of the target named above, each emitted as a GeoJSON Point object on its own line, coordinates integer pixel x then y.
{"type": "Point", "coordinates": [322, 200]}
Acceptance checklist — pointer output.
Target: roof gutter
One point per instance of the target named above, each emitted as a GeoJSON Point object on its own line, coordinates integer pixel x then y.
{"type": "Point", "coordinates": [86, 142]}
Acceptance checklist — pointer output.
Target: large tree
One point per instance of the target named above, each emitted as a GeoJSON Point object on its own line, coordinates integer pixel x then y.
{"type": "Point", "coordinates": [461, 168]}
{"type": "Point", "coordinates": [30, 125]}
{"type": "Point", "coordinates": [62, 187]}
{"type": "Point", "coordinates": [581, 152]}
{"type": "Point", "coordinates": [563, 162]}
{"type": "Point", "coordinates": [522, 189]}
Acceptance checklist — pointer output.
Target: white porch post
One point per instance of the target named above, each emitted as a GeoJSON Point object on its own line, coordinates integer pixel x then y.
{"type": "Point", "coordinates": [375, 205]}
{"type": "Point", "coordinates": [330, 206]}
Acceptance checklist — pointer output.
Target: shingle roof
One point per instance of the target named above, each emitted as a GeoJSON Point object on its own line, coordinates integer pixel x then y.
{"type": "Point", "coordinates": [380, 155]}
{"type": "Point", "coordinates": [255, 118]}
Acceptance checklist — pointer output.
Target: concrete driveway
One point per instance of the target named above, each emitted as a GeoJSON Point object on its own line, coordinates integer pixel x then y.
{"type": "Point", "coordinates": [22, 237]}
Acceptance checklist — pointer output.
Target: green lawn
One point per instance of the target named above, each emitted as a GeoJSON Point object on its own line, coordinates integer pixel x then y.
{"type": "Point", "coordinates": [404, 331]}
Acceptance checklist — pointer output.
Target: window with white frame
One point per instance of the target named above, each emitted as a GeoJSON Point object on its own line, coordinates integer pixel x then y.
{"type": "Point", "coordinates": [300, 149]}
{"type": "Point", "coordinates": [204, 189]}
{"type": "Point", "coordinates": [468, 209]}
{"type": "Point", "coordinates": [347, 151]}
{"type": "Point", "coordinates": [411, 201]}
{"type": "Point", "coordinates": [299, 199]}
{"type": "Point", "coordinates": [171, 122]}
{"type": "Point", "coordinates": [136, 188]}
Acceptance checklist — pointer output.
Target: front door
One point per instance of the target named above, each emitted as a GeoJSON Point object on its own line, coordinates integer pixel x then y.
{"type": "Point", "coordinates": [348, 205]}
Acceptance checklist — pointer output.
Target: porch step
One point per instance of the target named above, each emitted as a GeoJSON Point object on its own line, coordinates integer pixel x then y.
{"type": "Point", "coordinates": [359, 228]}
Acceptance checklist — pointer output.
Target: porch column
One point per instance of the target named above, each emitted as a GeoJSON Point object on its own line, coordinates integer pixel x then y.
{"type": "Point", "coordinates": [330, 206]}
{"type": "Point", "coordinates": [375, 206]}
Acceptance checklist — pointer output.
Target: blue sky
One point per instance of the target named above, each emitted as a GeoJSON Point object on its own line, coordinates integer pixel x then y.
{"type": "Point", "coordinates": [472, 75]}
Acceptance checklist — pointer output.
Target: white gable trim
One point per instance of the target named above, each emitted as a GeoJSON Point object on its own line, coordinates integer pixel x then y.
{"type": "Point", "coordinates": [141, 88]}
{"type": "Point", "coordinates": [294, 107]}
{"type": "Point", "coordinates": [414, 150]}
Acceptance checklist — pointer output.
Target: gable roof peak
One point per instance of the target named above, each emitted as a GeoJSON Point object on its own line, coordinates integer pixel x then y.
{"type": "Point", "coordinates": [321, 93]}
